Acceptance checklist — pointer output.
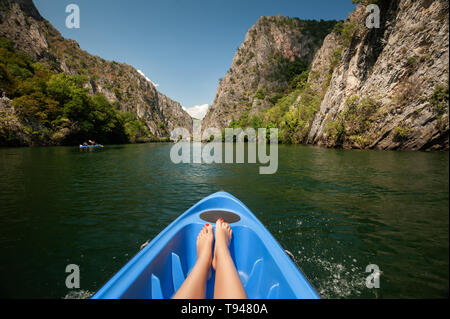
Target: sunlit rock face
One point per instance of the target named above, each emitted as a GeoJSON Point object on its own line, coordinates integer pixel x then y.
{"type": "Point", "coordinates": [120, 83]}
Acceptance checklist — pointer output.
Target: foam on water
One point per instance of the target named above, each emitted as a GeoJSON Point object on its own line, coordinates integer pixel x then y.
{"type": "Point", "coordinates": [79, 294]}
{"type": "Point", "coordinates": [343, 278]}
{"type": "Point", "coordinates": [342, 282]}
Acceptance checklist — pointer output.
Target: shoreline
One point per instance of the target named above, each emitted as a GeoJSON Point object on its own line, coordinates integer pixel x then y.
{"type": "Point", "coordinates": [203, 142]}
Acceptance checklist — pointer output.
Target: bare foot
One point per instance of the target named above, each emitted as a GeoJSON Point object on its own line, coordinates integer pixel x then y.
{"type": "Point", "coordinates": [223, 237]}
{"type": "Point", "coordinates": [204, 244]}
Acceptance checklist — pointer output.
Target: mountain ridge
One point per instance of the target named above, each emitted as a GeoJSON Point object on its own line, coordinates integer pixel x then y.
{"type": "Point", "coordinates": [365, 88]}
{"type": "Point", "coordinates": [120, 83]}
{"type": "Point", "coordinates": [275, 49]}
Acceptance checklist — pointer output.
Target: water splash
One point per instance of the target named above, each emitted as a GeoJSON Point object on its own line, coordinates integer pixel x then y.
{"type": "Point", "coordinates": [342, 281]}
{"type": "Point", "coordinates": [79, 294]}
{"type": "Point", "coordinates": [336, 279]}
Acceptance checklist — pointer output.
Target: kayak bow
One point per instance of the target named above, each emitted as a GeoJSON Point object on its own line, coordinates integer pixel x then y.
{"type": "Point", "coordinates": [160, 268]}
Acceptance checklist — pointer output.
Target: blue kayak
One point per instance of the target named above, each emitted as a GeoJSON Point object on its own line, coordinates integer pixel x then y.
{"type": "Point", "coordinates": [159, 269]}
{"type": "Point", "coordinates": [91, 146]}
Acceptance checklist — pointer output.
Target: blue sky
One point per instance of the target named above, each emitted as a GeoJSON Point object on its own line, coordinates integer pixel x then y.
{"type": "Point", "coordinates": [184, 46]}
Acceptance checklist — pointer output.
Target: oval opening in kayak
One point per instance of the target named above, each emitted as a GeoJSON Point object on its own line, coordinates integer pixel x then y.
{"type": "Point", "coordinates": [213, 215]}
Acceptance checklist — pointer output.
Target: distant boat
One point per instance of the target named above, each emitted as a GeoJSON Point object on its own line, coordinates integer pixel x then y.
{"type": "Point", "coordinates": [92, 146]}
{"type": "Point", "coordinates": [159, 269]}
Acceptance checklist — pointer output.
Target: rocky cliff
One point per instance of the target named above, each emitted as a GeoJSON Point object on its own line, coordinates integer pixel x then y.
{"type": "Point", "coordinates": [274, 51]}
{"type": "Point", "coordinates": [389, 85]}
{"type": "Point", "coordinates": [11, 129]}
{"type": "Point", "coordinates": [369, 88]}
{"type": "Point", "coordinates": [121, 84]}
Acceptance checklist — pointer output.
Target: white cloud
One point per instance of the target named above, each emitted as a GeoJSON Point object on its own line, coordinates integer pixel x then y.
{"type": "Point", "coordinates": [197, 111]}
{"type": "Point", "coordinates": [142, 73]}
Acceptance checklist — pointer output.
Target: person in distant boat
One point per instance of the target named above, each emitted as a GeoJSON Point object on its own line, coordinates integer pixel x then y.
{"type": "Point", "coordinates": [227, 285]}
{"type": "Point", "coordinates": [92, 142]}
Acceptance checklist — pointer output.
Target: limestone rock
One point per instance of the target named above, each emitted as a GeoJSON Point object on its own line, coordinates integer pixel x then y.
{"type": "Point", "coordinates": [121, 84]}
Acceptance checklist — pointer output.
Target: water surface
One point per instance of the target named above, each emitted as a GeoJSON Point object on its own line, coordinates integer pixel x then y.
{"type": "Point", "coordinates": [337, 211]}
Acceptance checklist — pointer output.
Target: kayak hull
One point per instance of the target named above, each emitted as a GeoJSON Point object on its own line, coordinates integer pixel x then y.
{"type": "Point", "coordinates": [160, 268]}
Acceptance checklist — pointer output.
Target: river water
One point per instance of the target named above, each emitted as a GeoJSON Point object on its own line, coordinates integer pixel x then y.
{"type": "Point", "coordinates": [337, 211]}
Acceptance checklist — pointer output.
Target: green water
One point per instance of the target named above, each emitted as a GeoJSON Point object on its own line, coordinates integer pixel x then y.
{"type": "Point", "coordinates": [336, 210]}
